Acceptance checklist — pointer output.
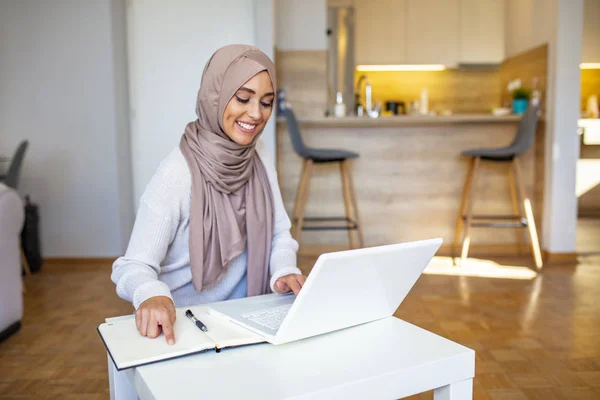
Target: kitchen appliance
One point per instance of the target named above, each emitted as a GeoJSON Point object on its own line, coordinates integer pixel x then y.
{"type": "Point", "coordinates": [396, 107]}
{"type": "Point", "coordinates": [392, 106]}
{"type": "Point", "coordinates": [340, 56]}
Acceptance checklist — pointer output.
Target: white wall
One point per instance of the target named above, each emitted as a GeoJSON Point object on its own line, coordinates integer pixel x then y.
{"type": "Point", "coordinates": [301, 25]}
{"type": "Point", "coordinates": [264, 37]}
{"type": "Point", "coordinates": [530, 23]}
{"type": "Point", "coordinates": [59, 66]}
{"type": "Point", "coordinates": [169, 45]}
{"type": "Point", "coordinates": [123, 137]}
{"type": "Point", "coordinates": [562, 144]}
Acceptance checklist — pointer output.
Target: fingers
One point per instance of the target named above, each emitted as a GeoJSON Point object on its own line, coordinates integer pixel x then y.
{"type": "Point", "coordinates": [151, 319]}
{"type": "Point", "coordinates": [138, 320]}
{"type": "Point", "coordinates": [281, 286]}
{"type": "Point", "coordinates": [141, 320]}
{"type": "Point", "coordinates": [153, 330]}
{"type": "Point", "coordinates": [167, 326]}
{"type": "Point", "coordinates": [301, 279]}
{"type": "Point", "coordinates": [294, 284]}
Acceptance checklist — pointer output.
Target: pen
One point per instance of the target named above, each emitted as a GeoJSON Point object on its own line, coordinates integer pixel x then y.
{"type": "Point", "coordinates": [198, 323]}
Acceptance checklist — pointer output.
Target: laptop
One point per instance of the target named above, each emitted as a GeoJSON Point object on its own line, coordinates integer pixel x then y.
{"type": "Point", "coordinates": [344, 289]}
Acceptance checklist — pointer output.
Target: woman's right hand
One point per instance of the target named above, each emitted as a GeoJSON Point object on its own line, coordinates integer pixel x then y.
{"type": "Point", "coordinates": [156, 314]}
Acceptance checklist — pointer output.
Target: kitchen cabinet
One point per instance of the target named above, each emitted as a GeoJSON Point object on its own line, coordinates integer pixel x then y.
{"type": "Point", "coordinates": [380, 32]}
{"type": "Point", "coordinates": [481, 39]}
{"type": "Point", "coordinates": [591, 32]}
{"type": "Point", "coordinates": [448, 32]}
{"type": "Point", "coordinates": [432, 32]}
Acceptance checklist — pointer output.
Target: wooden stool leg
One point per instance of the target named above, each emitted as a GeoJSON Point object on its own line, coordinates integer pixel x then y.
{"type": "Point", "coordinates": [470, 195]}
{"type": "Point", "coordinates": [461, 211]}
{"type": "Point", "coordinates": [515, 206]}
{"type": "Point", "coordinates": [299, 190]}
{"type": "Point", "coordinates": [25, 263]}
{"type": "Point", "coordinates": [347, 201]}
{"type": "Point", "coordinates": [27, 269]}
{"type": "Point", "coordinates": [303, 199]}
{"type": "Point", "coordinates": [348, 175]}
{"type": "Point", "coordinates": [526, 203]}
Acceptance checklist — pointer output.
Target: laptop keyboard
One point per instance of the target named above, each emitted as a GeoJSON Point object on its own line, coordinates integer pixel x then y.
{"type": "Point", "coordinates": [269, 318]}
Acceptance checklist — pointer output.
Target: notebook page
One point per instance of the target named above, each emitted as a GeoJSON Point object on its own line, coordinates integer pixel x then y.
{"type": "Point", "coordinates": [128, 348]}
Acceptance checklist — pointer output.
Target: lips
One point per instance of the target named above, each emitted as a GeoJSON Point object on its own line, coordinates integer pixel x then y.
{"type": "Point", "coordinates": [246, 127]}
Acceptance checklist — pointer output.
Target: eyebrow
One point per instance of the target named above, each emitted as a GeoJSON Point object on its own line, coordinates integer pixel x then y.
{"type": "Point", "coordinates": [245, 89]}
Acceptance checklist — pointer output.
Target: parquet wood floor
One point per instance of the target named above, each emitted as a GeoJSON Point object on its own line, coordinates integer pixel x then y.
{"type": "Point", "coordinates": [534, 339]}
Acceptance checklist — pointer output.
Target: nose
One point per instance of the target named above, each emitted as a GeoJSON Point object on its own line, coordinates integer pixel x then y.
{"type": "Point", "coordinates": [254, 110]}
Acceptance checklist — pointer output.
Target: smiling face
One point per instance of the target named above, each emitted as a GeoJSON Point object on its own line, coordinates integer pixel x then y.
{"type": "Point", "coordinates": [249, 109]}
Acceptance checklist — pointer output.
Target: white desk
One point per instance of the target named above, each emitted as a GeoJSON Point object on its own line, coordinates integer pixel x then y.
{"type": "Point", "coordinates": [386, 359]}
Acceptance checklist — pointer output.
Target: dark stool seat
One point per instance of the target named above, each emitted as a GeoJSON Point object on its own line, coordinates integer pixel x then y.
{"type": "Point", "coordinates": [501, 154]}
{"type": "Point", "coordinates": [311, 156]}
{"type": "Point", "coordinates": [329, 155]}
{"type": "Point", "coordinates": [523, 213]}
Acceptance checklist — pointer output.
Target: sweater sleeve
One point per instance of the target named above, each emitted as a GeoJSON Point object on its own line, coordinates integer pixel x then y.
{"type": "Point", "coordinates": [283, 246]}
{"type": "Point", "coordinates": [157, 220]}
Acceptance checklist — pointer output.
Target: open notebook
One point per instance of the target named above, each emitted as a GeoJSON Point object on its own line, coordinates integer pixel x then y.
{"type": "Point", "coordinates": [128, 348]}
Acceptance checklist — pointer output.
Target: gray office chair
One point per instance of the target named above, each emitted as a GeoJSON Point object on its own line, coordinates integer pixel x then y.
{"type": "Point", "coordinates": [313, 156]}
{"type": "Point", "coordinates": [523, 218]}
{"type": "Point", "coordinates": [11, 178]}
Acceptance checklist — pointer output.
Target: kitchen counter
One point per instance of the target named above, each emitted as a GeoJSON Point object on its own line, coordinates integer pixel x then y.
{"type": "Point", "coordinates": [410, 174]}
{"type": "Point", "coordinates": [590, 130]}
{"type": "Point", "coordinates": [404, 120]}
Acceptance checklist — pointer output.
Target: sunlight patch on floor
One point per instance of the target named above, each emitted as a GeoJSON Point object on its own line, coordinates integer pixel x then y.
{"type": "Point", "coordinates": [478, 268]}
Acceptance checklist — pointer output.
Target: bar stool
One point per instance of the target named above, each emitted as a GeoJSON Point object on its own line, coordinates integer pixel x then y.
{"type": "Point", "coordinates": [312, 156]}
{"type": "Point", "coordinates": [523, 217]}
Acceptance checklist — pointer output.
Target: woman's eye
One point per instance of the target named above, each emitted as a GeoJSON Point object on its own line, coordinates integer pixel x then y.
{"type": "Point", "coordinates": [244, 101]}
{"type": "Point", "coordinates": [266, 104]}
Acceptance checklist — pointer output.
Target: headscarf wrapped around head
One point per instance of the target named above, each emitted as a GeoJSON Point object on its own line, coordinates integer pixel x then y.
{"type": "Point", "coordinates": [231, 203]}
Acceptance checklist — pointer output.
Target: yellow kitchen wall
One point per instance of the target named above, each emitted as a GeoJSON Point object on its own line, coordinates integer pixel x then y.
{"type": "Point", "coordinates": [527, 66]}
{"type": "Point", "coordinates": [590, 84]}
{"type": "Point", "coordinates": [303, 74]}
{"type": "Point", "coordinates": [454, 90]}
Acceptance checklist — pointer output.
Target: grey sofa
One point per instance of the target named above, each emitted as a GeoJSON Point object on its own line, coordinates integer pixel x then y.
{"type": "Point", "coordinates": [11, 293]}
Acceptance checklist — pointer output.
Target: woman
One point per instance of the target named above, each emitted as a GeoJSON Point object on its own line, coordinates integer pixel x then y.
{"type": "Point", "coordinates": [211, 224]}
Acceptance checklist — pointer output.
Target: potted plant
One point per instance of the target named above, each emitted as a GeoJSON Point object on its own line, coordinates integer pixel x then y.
{"type": "Point", "coordinates": [520, 96]}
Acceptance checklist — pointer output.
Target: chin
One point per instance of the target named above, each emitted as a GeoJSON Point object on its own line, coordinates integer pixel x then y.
{"type": "Point", "coordinates": [244, 140]}
{"type": "Point", "coordinates": [245, 137]}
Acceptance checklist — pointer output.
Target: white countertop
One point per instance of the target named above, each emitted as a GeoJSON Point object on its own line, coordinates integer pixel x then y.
{"type": "Point", "coordinates": [590, 131]}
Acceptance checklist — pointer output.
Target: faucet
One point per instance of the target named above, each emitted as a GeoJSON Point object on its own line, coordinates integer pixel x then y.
{"type": "Point", "coordinates": [373, 113]}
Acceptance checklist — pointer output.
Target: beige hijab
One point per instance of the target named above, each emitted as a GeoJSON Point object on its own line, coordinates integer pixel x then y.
{"type": "Point", "coordinates": [231, 202]}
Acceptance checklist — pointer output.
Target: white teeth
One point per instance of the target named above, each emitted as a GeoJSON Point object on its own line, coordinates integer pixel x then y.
{"type": "Point", "coordinates": [246, 126]}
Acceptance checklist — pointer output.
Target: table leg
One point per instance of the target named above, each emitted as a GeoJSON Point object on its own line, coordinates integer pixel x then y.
{"type": "Point", "coordinates": [119, 383]}
{"type": "Point", "coordinates": [462, 390]}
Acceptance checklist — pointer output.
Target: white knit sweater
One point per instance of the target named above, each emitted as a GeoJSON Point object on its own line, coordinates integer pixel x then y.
{"type": "Point", "coordinates": [157, 260]}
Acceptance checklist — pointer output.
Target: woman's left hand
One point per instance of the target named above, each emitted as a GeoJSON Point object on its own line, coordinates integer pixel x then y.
{"type": "Point", "coordinates": [289, 282]}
